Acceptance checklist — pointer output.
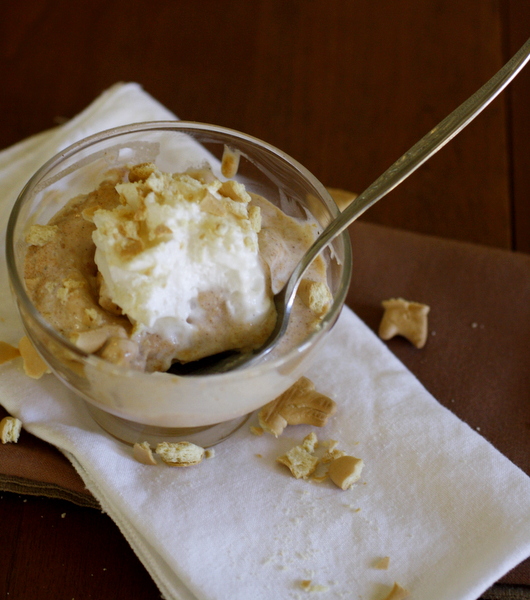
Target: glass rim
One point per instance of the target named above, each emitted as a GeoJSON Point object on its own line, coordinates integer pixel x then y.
{"type": "Point", "coordinates": [185, 126]}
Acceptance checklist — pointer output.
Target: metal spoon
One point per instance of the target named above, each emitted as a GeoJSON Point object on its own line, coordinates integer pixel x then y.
{"type": "Point", "coordinates": [399, 171]}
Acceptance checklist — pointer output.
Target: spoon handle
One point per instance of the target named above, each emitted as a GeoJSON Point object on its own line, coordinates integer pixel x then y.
{"type": "Point", "coordinates": [411, 160]}
{"type": "Point", "coordinates": [392, 177]}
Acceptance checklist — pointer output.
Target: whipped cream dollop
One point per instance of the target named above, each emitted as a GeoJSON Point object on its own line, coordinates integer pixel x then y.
{"type": "Point", "coordinates": [179, 256]}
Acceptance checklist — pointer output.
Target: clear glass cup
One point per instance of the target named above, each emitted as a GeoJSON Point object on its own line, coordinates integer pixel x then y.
{"type": "Point", "coordinates": [135, 406]}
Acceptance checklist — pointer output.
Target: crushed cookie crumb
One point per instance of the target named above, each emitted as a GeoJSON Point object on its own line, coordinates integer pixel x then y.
{"type": "Point", "coordinates": [300, 404]}
{"type": "Point", "coordinates": [315, 295]}
{"type": "Point", "coordinates": [40, 235]}
{"type": "Point", "coordinates": [397, 593]}
{"type": "Point", "coordinates": [300, 460]}
{"type": "Point", "coordinates": [345, 471]}
{"type": "Point", "coordinates": [10, 428]}
{"type": "Point", "coordinates": [230, 162]}
{"type": "Point", "coordinates": [143, 454]}
{"type": "Point", "coordinates": [308, 586]}
{"type": "Point", "coordinates": [180, 454]}
{"type": "Point", "coordinates": [235, 191]}
{"type": "Point", "coordinates": [382, 563]}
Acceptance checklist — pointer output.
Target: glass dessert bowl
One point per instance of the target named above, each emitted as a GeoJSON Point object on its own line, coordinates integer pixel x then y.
{"type": "Point", "coordinates": [131, 404]}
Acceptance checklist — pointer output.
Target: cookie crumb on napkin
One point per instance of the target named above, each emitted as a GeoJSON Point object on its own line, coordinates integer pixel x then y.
{"type": "Point", "coordinates": [299, 404]}
{"type": "Point", "coordinates": [343, 470]}
{"type": "Point", "coordinates": [404, 318]}
{"type": "Point", "coordinates": [10, 428]}
{"type": "Point", "coordinates": [180, 454]}
{"type": "Point", "coordinates": [300, 460]}
{"type": "Point", "coordinates": [309, 586]}
{"type": "Point", "coordinates": [142, 453]}
{"type": "Point", "coordinates": [397, 593]}
{"type": "Point", "coordinates": [332, 451]}
{"type": "Point", "coordinates": [382, 563]}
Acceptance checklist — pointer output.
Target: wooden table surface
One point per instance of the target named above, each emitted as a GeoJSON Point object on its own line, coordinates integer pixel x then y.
{"type": "Point", "coordinates": [343, 86]}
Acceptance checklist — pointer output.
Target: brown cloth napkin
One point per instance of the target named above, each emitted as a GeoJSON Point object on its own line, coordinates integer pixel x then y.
{"type": "Point", "coordinates": [34, 467]}
{"type": "Point", "coordinates": [476, 360]}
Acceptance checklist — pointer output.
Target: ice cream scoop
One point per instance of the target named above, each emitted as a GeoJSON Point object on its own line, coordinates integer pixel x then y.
{"type": "Point", "coordinates": [179, 257]}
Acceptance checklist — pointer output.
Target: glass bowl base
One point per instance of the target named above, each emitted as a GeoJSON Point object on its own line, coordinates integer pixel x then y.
{"type": "Point", "coordinates": [131, 432]}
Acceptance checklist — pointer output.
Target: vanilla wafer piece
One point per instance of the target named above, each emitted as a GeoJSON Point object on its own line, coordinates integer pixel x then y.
{"type": "Point", "coordinates": [10, 428]}
{"type": "Point", "coordinates": [230, 162]}
{"type": "Point", "coordinates": [300, 404]}
{"type": "Point", "coordinates": [404, 318]}
{"type": "Point", "coordinates": [300, 460]}
{"type": "Point", "coordinates": [316, 295]}
{"type": "Point", "coordinates": [397, 593]}
{"type": "Point", "coordinates": [180, 454]}
{"type": "Point", "coordinates": [345, 471]}
{"type": "Point", "coordinates": [143, 454]}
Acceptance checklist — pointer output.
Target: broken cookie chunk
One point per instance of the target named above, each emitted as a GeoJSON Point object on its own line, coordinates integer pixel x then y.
{"type": "Point", "coordinates": [303, 463]}
{"type": "Point", "coordinates": [397, 593]}
{"type": "Point", "coordinates": [300, 459]}
{"type": "Point", "coordinates": [40, 235]}
{"type": "Point", "coordinates": [345, 471]}
{"type": "Point", "coordinates": [300, 404]}
{"type": "Point", "coordinates": [10, 428]}
{"type": "Point", "coordinates": [180, 454]}
{"type": "Point", "coordinates": [142, 453]}
{"type": "Point", "coordinates": [315, 295]}
{"type": "Point", "coordinates": [230, 162]}
{"type": "Point", "coordinates": [408, 319]}
{"type": "Point", "coordinates": [308, 586]}
{"type": "Point", "coordinates": [382, 563]}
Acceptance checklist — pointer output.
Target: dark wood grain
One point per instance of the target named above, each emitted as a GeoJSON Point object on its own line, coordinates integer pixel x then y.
{"type": "Point", "coordinates": [343, 86]}
{"type": "Point", "coordinates": [58, 550]}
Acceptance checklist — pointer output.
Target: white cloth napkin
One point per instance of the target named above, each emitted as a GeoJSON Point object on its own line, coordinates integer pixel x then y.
{"type": "Point", "coordinates": [449, 510]}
